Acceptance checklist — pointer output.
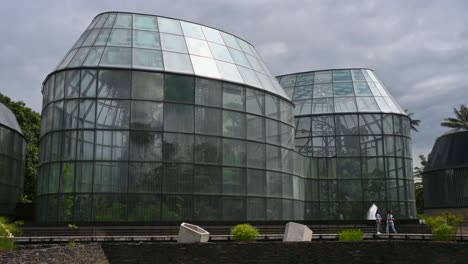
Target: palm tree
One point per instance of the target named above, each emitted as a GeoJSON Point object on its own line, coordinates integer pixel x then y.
{"type": "Point", "coordinates": [414, 123]}
{"type": "Point", "coordinates": [460, 120]}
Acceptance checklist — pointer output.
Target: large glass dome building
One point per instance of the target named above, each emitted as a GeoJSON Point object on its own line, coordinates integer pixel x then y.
{"type": "Point", "coordinates": [12, 158]}
{"type": "Point", "coordinates": [358, 140]}
{"type": "Point", "coordinates": [149, 118]}
{"type": "Point", "coordinates": [155, 119]}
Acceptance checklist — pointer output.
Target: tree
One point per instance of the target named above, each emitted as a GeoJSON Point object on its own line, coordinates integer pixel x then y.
{"type": "Point", "coordinates": [30, 123]}
{"type": "Point", "coordinates": [418, 184]}
{"type": "Point", "coordinates": [414, 123]}
{"type": "Point", "coordinates": [460, 120]}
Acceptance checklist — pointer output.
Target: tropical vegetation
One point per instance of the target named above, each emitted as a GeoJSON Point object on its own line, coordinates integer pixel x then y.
{"type": "Point", "coordinates": [459, 121]}
{"type": "Point", "coordinates": [444, 226]}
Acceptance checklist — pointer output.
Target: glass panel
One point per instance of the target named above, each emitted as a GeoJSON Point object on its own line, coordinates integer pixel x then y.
{"type": "Point", "coordinates": [79, 57]}
{"type": "Point", "coordinates": [255, 128]}
{"type": "Point", "coordinates": [367, 104]}
{"type": "Point", "coordinates": [120, 37]}
{"type": "Point", "coordinates": [173, 43]}
{"type": "Point", "coordinates": [145, 22]}
{"type": "Point", "coordinates": [233, 209]}
{"type": "Point", "coordinates": [169, 25]}
{"type": "Point", "coordinates": [205, 67]}
{"type": "Point", "coordinates": [272, 132]}
{"type": "Point", "coordinates": [212, 35]}
{"type": "Point", "coordinates": [145, 177]}
{"type": "Point", "coordinates": [303, 107]}
{"type": "Point", "coordinates": [324, 146]}
{"type": "Point", "coordinates": [273, 157]}
{"type": "Point", "coordinates": [233, 96]}
{"type": "Point", "coordinates": [234, 152]}
{"type": "Point", "coordinates": [198, 47]}
{"type": "Point", "coordinates": [207, 179]}
{"type": "Point", "coordinates": [192, 30]}
{"type": "Point", "coordinates": [348, 168]}
{"type": "Point", "coordinates": [387, 124]}
{"type": "Point", "coordinates": [255, 102]}
{"type": "Point", "coordinates": [178, 147]}
{"type": "Point", "coordinates": [113, 114]}
{"type": "Point", "coordinates": [341, 75]}
{"type": "Point", "coordinates": [145, 146]}
{"type": "Point", "coordinates": [361, 89]}
{"type": "Point", "coordinates": [110, 177]}
{"type": "Point", "coordinates": [147, 86]}
{"type": "Point", "coordinates": [323, 77]}
{"type": "Point", "coordinates": [371, 145]}
{"type": "Point", "coordinates": [114, 56]}
{"type": "Point", "coordinates": [87, 114]}
{"type": "Point", "coordinates": [69, 145]}
{"type": "Point", "coordinates": [271, 107]}
{"type": "Point", "coordinates": [111, 145]}
{"type": "Point", "coordinates": [176, 207]}
{"type": "Point", "coordinates": [178, 88]}
{"type": "Point", "coordinates": [208, 92]}
{"type": "Point", "coordinates": [323, 125]}
{"type": "Point", "coordinates": [305, 79]}
{"type": "Point", "coordinates": [303, 92]}
{"type": "Point", "coordinates": [83, 177]}
{"type": "Point", "coordinates": [347, 146]}
{"type": "Point", "coordinates": [178, 178]}
{"type": "Point", "coordinates": [72, 84]}
{"type": "Point", "coordinates": [373, 168]}
{"type": "Point", "coordinates": [88, 83]}
{"type": "Point", "coordinates": [230, 40]}
{"type": "Point", "coordinates": [256, 155]}
{"type": "Point", "coordinates": [85, 146]}
{"type": "Point", "coordinates": [343, 89]}
{"type": "Point", "coordinates": [239, 58]}
{"type": "Point", "coordinates": [343, 104]}
{"type": "Point", "coordinates": [229, 71]}
{"type": "Point", "coordinates": [148, 59]}
{"type": "Point", "coordinates": [207, 121]}
{"type": "Point", "coordinates": [102, 38]}
{"type": "Point", "coordinates": [256, 209]}
{"type": "Point", "coordinates": [147, 115]}
{"type": "Point", "coordinates": [234, 181]}
{"type": "Point", "coordinates": [323, 90]}
{"type": "Point", "coordinates": [177, 62]}
{"type": "Point", "coordinates": [57, 109]}
{"type": "Point", "coordinates": [256, 182]}
{"type": "Point", "coordinates": [94, 56]}
{"type": "Point", "coordinates": [347, 124]}
{"type": "Point", "coordinates": [71, 114]}
{"type": "Point", "coordinates": [208, 150]}
{"type": "Point", "coordinates": [178, 118]}
{"type": "Point", "coordinates": [370, 124]}
{"type": "Point", "coordinates": [207, 208]}
{"type": "Point", "coordinates": [220, 52]}
{"type": "Point", "coordinates": [249, 76]}
{"type": "Point", "coordinates": [303, 127]}
{"type": "Point", "coordinates": [323, 106]}
{"type": "Point", "coordinates": [233, 124]}
{"type": "Point", "coordinates": [114, 84]}
{"type": "Point", "coordinates": [123, 20]}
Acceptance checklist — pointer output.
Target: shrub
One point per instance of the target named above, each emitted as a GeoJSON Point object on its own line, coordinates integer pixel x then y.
{"type": "Point", "coordinates": [71, 242]}
{"type": "Point", "coordinates": [244, 232]}
{"type": "Point", "coordinates": [444, 226]}
{"type": "Point", "coordinates": [350, 235]}
{"type": "Point", "coordinates": [7, 234]}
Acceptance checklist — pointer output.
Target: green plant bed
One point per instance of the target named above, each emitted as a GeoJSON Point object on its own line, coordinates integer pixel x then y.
{"type": "Point", "coordinates": [244, 232]}
{"type": "Point", "coordinates": [351, 235]}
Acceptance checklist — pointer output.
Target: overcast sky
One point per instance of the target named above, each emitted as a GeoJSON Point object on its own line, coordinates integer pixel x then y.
{"type": "Point", "coordinates": [419, 49]}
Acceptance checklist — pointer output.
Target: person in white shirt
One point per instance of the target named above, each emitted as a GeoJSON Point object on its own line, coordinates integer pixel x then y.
{"type": "Point", "coordinates": [390, 222]}
{"type": "Point", "coordinates": [378, 221]}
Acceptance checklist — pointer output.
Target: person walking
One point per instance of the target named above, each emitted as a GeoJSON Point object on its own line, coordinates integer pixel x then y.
{"type": "Point", "coordinates": [390, 222]}
{"type": "Point", "coordinates": [378, 221]}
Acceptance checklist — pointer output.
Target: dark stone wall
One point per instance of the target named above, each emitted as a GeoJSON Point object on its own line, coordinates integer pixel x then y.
{"type": "Point", "coordinates": [276, 252]}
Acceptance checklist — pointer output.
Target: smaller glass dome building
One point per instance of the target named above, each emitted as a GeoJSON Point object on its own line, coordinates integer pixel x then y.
{"type": "Point", "coordinates": [12, 156]}
{"type": "Point", "coordinates": [445, 175]}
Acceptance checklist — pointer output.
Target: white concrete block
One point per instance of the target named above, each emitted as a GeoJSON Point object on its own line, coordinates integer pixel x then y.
{"type": "Point", "coordinates": [192, 234]}
{"type": "Point", "coordinates": [296, 232]}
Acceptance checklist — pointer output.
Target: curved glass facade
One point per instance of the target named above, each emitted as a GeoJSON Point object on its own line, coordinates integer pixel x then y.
{"type": "Point", "coordinates": [12, 158]}
{"type": "Point", "coordinates": [140, 145]}
{"type": "Point", "coordinates": [446, 172]}
{"type": "Point", "coordinates": [358, 141]}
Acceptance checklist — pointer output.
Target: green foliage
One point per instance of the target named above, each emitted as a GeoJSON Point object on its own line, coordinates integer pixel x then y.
{"type": "Point", "coordinates": [8, 231]}
{"type": "Point", "coordinates": [244, 232]}
{"type": "Point", "coordinates": [30, 123]}
{"type": "Point", "coordinates": [350, 235]}
{"type": "Point", "coordinates": [443, 226]}
{"type": "Point", "coordinates": [460, 120]}
{"type": "Point", "coordinates": [71, 242]}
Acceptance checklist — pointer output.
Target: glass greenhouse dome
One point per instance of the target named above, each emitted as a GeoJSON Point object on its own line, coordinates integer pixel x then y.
{"type": "Point", "coordinates": [150, 119]}
{"type": "Point", "coordinates": [12, 158]}
{"type": "Point", "coordinates": [358, 140]}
